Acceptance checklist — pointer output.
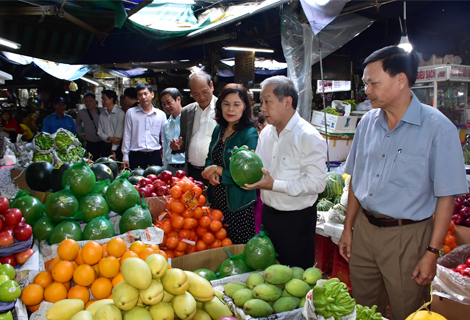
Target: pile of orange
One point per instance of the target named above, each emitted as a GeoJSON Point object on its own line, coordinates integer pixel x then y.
{"type": "Point", "coordinates": [190, 227]}
{"type": "Point", "coordinates": [450, 241]}
{"type": "Point", "coordinates": [93, 270]}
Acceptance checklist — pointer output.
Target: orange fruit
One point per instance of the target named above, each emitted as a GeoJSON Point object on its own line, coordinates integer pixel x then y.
{"type": "Point", "coordinates": [116, 247]}
{"type": "Point", "coordinates": [200, 230]}
{"type": "Point", "coordinates": [201, 200]}
{"type": "Point", "coordinates": [52, 263]}
{"type": "Point", "coordinates": [198, 213]}
{"type": "Point", "coordinates": [190, 249]}
{"type": "Point", "coordinates": [179, 253]}
{"type": "Point", "coordinates": [55, 292]}
{"type": "Point", "coordinates": [177, 222]}
{"type": "Point", "coordinates": [166, 226]}
{"type": "Point", "coordinates": [216, 244]}
{"type": "Point", "coordinates": [78, 259]}
{"type": "Point", "coordinates": [189, 223]}
{"type": "Point", "coordinates": [75, 265]}
{"type": "Point", "coordinates": [201, 245]}
{"type": "Point", "coordinates": [181, 246]}
{"type": "Point", "coordinates": [163, 253]}
{"type": "Point", "coordinates": [109, 267]}
{"type": "Point", "coordinates": [90, 302]}
{"type": "Point", "coordinates": [173, 233]}
{"type": "Point", "coordinates": [63, 271]}
{"type": "Point", "coordinates": [96, 268]}
{"type": "Point", "coordinates": [226, 242]}
{"type": "Point", "coordinates": [79, 292]}
{"type": "Point", "coordinates": [128, 254]}
{"type": "Point", "coordinates": [187, 213]}
{"type": "Point", "coordinates": [215, 225]}
{"type": "Point", "coordinates": [170, 253]}
{"type": "Point", "coordinates": [452, 226]}
{"type": "Point", "coordinates": [103, 247]}
{"type": "Point", "coordinates": [110, 296]}
{"type": "Point", "coordinates": [67, 285]}
{"type": "Point", "coordinates": [101, 288]}
{"type": "Point", "coordinates": [184, 233]}
{"type": "Point", "coordinates": [146, 252]}
{"type": "Point", "coordinates": [208, 238]}
{"type": "Point", "coordinates": [153, 246]}
{"type": "Point", "coordinates": [92, 253]}
{"type": "Point", "coordinates": [186, 185]}
{"type": "Point", "coordinates": [176, 192]}
{"type": "Point", "coordinates": [117, 278]}
{"type": "Point", "coordinates": [137, 246]}
{"type": "Point", "coordinates": [172, 242]}
{"type": "Point", "coordinates": [32, 294]}
{"type": "Point", "coordinates": [68, 249]}
{"type": "Point", "coordinates": [221, 234]}
{"type": "Point", "coordinates": [217, 215]}
{"type": "Point", "coordinates": [205, 221]}
{"type": "Point", "coordinates": [35, 308]}
{"type": "Point", "coordinates": [43, 278]}
{"type": "Point", "coordinates": [197, 191]}
{"type": "Point", "coordinates": [177, 207]}
{"type": "Point", "coordinates": [84, 275]}
{"type": "Point", "coordinates": [446, 248]}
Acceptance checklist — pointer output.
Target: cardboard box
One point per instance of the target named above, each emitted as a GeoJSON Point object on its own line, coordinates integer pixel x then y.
{"type": "Point", "coordinates": [463, 235]}
{"type": "Point", "coordinates": [449, 309]}
{"type": "Point", "coordinates": [208, 259]}
{"type": "Point", "coordinates": [334, 122]}
{"type": "Point", "coordinates": [18, 178]}
{"type": "Point", "coordinates": [156, 205]}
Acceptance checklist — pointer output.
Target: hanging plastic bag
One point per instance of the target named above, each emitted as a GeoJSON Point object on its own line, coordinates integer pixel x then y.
{"type": "Point", "coordinates": [9, 158]}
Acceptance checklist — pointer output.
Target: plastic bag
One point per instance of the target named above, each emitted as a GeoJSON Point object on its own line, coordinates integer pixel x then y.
{"type": "Point", "coordinates": [43, 143]}
{"type": "Point", "coordinates": [9, 157]}
{"type": "Point", "coordinates": [232, 265]}
{"type": "Point", "coordinates": [344, 196]}
{"type": "Point", "coordinates": [337, 214]}
{"type": "Point", "coordinates": [64, 140]}
{"type": "Point", "coordinates": [364, 106]}
{"type": "Point", "coordinates": [259, 251]}
{"type": "Point", "coordinates": [448, 283]}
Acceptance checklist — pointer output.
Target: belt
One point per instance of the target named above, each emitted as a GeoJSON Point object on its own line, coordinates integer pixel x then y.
{"type": "Point", "coordinates": [199, 168]}
{"type": "Point", "coordinates": [144, 153]}
{"type": "Point", "coordinates": [177, 165]}
{"type": "Point", "coordinates": [385, 223]}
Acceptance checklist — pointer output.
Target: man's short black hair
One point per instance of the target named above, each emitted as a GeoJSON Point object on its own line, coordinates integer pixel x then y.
{"type": "Point", "coordinates": [89, 94]}
{"type": "Point", "coordinates": [111, 95]}
{"type": "Point", "coordinates": [131, 93]}
{"type": "Point", "coordinates": [395, 60]}
{"type": "Point", "coordinates": [143, 86]}
{"type": "Point", "coordinates": [173, 92]}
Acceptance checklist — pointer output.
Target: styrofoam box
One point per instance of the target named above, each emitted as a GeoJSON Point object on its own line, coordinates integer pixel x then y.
{"type": "Point", "coordinates": [338, 146]}
{"type": "Point", "coordinates": [334, 122]}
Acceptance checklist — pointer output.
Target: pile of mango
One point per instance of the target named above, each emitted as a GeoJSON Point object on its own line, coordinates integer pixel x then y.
{"type": "Point", "coordinates": [278, 289]}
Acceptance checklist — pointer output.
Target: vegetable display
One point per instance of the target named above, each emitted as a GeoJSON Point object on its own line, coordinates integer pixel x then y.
{"type": "Point", "coordinates": [75, 154]}
{"type": "Point", "coordinates": [366, 313]}
{"type": "Point", "coordinates": [42, 157]}
{"type": "Point", "coordinates": [324, 205]}
{"type": "Point", "coordinates": [63, 141]}
{"type": "Point", "coordinates": [332, 299]}
{"type": "Point", "coordinates": [44, 141]}
{"type": "Point", "coordinates": [332, 111]}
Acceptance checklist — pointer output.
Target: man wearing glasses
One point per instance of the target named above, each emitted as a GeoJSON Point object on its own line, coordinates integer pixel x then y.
{"type": "Point", "coordinates": [197, 124]}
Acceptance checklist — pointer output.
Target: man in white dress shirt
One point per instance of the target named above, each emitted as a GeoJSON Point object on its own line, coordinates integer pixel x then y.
{"type": "Point", "coordinates": [142, 142]}
{"type": "Point", "coordinates": [294, 159]}
{"type": "Point", "coordinates": [197, 124]}
{"type": "Point", "coordinates": [111, 125]}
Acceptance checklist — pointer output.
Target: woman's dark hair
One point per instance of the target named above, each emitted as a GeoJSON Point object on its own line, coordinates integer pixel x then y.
{"type": "Point", "coordinates": [246, 119]}
{"type": "Point", "coordinates": [260, 119]}
{"type": "Point", "coordinates": [9, 114]}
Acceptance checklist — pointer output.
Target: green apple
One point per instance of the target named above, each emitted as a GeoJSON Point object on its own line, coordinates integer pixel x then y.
{"type": "Point", "coordinates": [9, 291]}
{"type": "Point", "coordinates": [7, 270]}
{"type": "Point", "coordinates": [4, 278]}
{"type": "Point", "coordinates": [6, 316]}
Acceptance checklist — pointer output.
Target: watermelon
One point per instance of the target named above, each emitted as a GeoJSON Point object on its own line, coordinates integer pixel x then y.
{"type": "Point", "coordinates": [156, 170]}
{"type": "Point", "coordinates": [38, 176]}
{"type": "Point", "coordinates": [65, 230]}
{"type": "Point", "coordinates": [138, 172]}
{"type": "Point", "coordinates": [42, 229]}
{"type": "Point", "coordinates": [110, 163]}
{"type": "Point", "coordinates": [206, 274]}
{"type": "Point", "coordinates": [334, 186]}
{"type": "Point", "coordinates": [137, 217]}
{"type": "Point", "coordinates": [80, 178]}
{"type": "Point", "coordinates": [61, 204]}
{"type": "Point", "coordinates": [30, 207]}
{"type": "Point", "coordinates": [57, 174]}
{"type": "Point", "coordinates": [93, 206]}
{"type": "Point", "coordinates": [135, 179]}
{"type": "Point", "coordinates": [336, 200]}
{"type": "Point", "coordinates": [245, 167]}
{"type": "Point", "coordinates": [233, 266]}
{"type": "Point", "coordinates": [259, 252]}
{"type": "Point", "coordinates": [102, 172]}
{"type": "Point", "coordinates": [324, 205]}
{"type": "Point", "coordinates": [98, 228]}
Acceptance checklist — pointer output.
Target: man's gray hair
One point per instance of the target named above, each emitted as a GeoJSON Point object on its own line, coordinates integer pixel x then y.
{"type": "Point", "coordinates": [283, 87]}
{"type": "Point", "coordinates": [200, 74]}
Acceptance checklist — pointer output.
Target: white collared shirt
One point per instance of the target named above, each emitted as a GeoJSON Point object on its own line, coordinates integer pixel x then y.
{"type": "Point", "coordinates": [296, 159]}
{"type": "Point", "coordinates": [203, 126]}
{"type": "Point", "coordinates": [142, 131]}
{"type": "Point", "coordinates": [111, 125]}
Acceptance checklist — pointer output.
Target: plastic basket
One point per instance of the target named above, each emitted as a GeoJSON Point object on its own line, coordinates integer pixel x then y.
{"type": "Point", "coordinates": [324, 253]}
{"type": "Point", "coordinates": [341, 268]}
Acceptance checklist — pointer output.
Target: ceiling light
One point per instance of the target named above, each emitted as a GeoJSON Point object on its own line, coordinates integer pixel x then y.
{"type": "Point", "coordinates": [9, 44]}
{"type": "Point", "coordinates": [255, 90]}
{"type": "Point", "coordinates": [404, 41]}
{"type": "Point", "coordinates": [248, 49]}
{"type": "Point", "coordinates": [90, 81]}
{"type": "Point", "coordinates": [187, 90]}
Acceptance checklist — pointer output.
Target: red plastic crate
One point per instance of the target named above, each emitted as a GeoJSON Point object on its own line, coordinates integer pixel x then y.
{"type": "Point", "coordinates": [324, 254]}
{"type": "Point", "coordinates": [341, 268]}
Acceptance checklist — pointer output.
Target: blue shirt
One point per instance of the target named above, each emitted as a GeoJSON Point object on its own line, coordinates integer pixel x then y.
{"type": "Point", "coordinates": [400, 173]}
{"type": "Point", "coordinates": [53, 122]}
{"type": "Point", "coordinates": [171, 130]}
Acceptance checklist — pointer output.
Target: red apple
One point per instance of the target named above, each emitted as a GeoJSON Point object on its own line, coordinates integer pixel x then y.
{"type": "Point", "coordinates": [158, 183]}
{"type": "Point", "coordinates": [467, 222]}
{"type": "Point", "coordinates": [144, 181]}
{"type": "Point", "coordinates": [8, 228]}
{"type": "Point", "coordinates": [145, 192]}
{"type": "Point", "coordinates": [457, 218]}
{"type": "Point", "coordinates": [23, 220]}
{"type": "Point", "coordinates": [200, 184]}
{"type": "Point", "coordinates": [12, 216]}
{"type": "Point", "coordinates": [22, 257]}
{"type": "Point", "coordinates": [465, 272]}
{"type": "Point", "coordinates": [180, 174]}
{"type": "Point", "coordinates": [191, 179]}
{"type": "Point", "coordinates": [4, 204]}
{"type": "Point", "coordinates": [1, 223]}
{"type": "Point", "coordinates": [460, 267]}
{"type": "Point", "coordinates": [162, 191]}
{"type": "Point", "coordinates": [6, 239]}
{"type": "Point", "coordinates": [150, 187]}
{"type": "Point", "coordinates": [465, 212]}
{"type": "Point", "coordinates": [22, 231]}
{"type": "Point", "coordinates": [174, 181]}
{"type": "Point", "coordinates": [468, 262]}
{"type": "Point", "coordinates": [137, 188]}
{"type": "Point", "coordinates": [153, 194]}
{"type": "Point", "coordinates": [152, 177]}
{"type": "Point", "coordinates": [166, 175]}
{"type": "Point", "coordinates": [8, 260]}
{"type": "Point", "coordinates": [160, 176]}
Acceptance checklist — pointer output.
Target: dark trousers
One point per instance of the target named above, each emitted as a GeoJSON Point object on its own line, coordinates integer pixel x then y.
{"type": "Point", "coordinates": [195, 172]}
{"type": "Point", "coordinates": [96, 149]}
{"type": "Point", "coordinates": [292, 234]}
{"type": "Point", "coordinates": [144, 159]}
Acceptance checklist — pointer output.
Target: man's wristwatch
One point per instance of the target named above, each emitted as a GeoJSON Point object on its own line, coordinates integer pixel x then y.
{"type": "Point", "coordinates": [439, 252]}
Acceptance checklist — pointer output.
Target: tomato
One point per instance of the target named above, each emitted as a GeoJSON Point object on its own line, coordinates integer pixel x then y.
{"type": "Point", "coordinates": [4, 204]}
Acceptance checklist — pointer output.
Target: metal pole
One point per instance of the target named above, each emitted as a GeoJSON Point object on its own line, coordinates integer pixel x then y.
{"type": "Point", "coordinates": [324, 107]}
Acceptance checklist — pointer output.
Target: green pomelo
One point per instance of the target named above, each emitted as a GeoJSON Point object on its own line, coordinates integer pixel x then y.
{"type": "Point", "coordinates": [98, 228]}
{"type": "Point", "coordinates": [30, 207]}
{"type": "Point", "coordinates": [66, 230]}
{"type": "Point", "coordinates": [245, 167]}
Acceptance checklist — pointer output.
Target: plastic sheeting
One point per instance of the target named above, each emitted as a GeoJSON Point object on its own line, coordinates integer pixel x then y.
{"type": "Point", "coordinates": [320, 14]}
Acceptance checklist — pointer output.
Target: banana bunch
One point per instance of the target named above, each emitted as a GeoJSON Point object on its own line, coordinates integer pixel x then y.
{"type": "Point", "coordinates": [332, 299]}
{"type": "Point", "coordinates": [366, 313]}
